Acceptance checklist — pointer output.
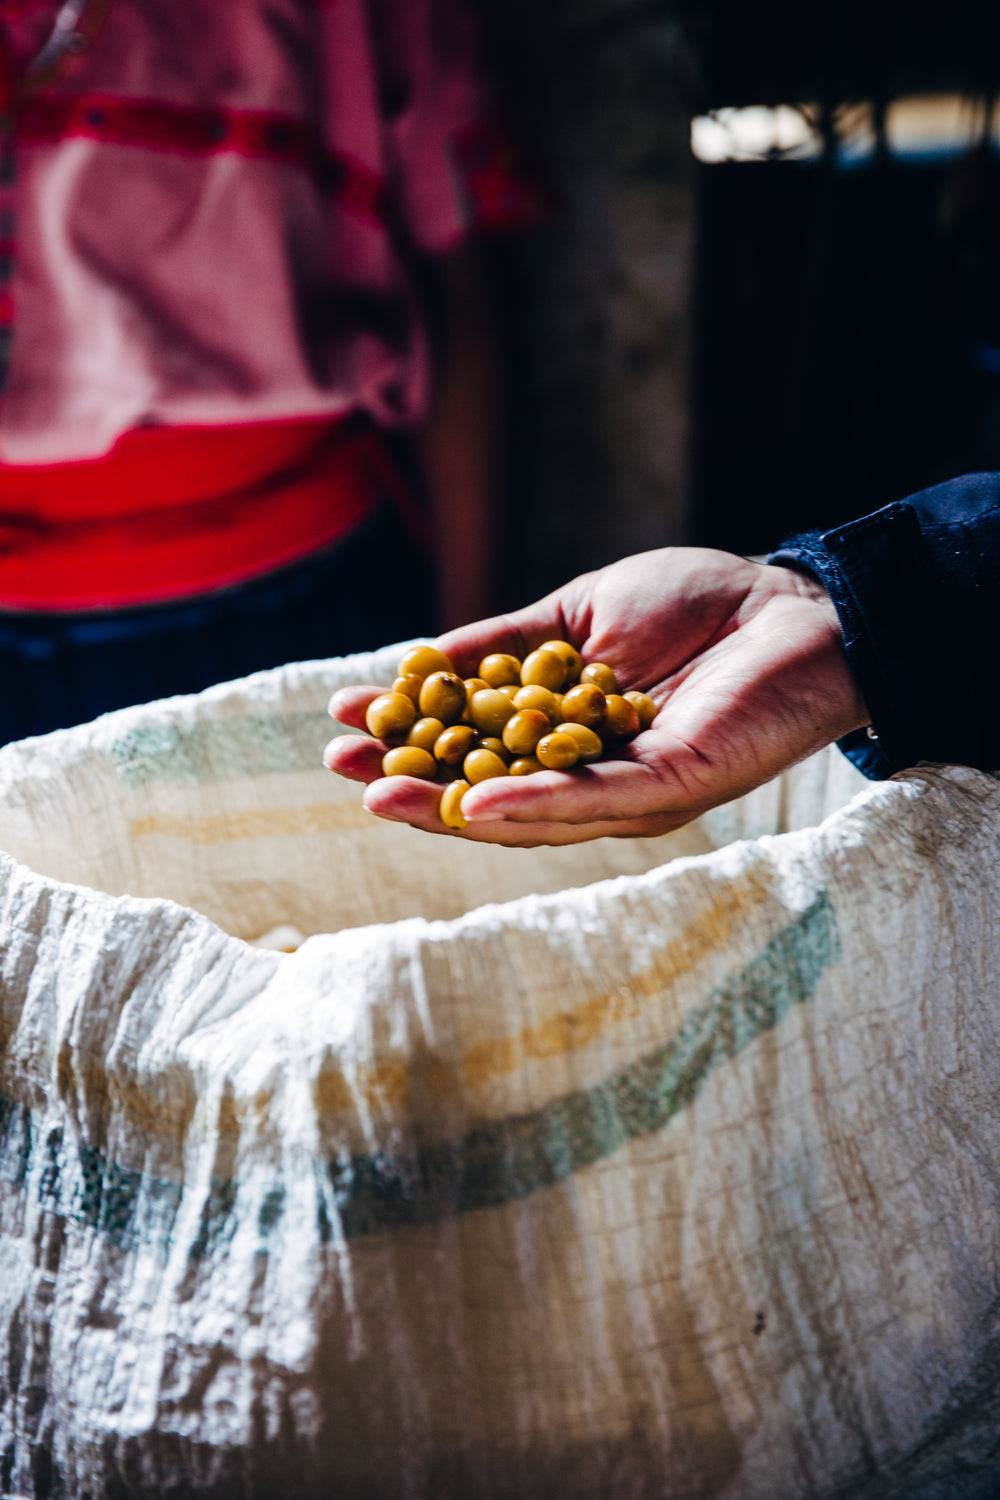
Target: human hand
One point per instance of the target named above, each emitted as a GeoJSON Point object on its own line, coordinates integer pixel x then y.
{"type": "Point", "coordinates": [745, 662]}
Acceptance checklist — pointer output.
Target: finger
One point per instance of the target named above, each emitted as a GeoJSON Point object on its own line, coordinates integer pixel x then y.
{"type": "Point", "coordinates": [613, 790]}
{"type": "Point", "coordinates": [402, 799]}
{"type": "Point", "coordinates": [350, 704]}
{"type": "Point", "coordinates": [357, 758]}
{"type": "Point", "coordinates": [562, 835]}
{"type": "Point", "coordinates": [468, 646]}
{"type": "Point", "coordinates": [405, 799]}
{"type": "Point", "coordinates": [556, 617]}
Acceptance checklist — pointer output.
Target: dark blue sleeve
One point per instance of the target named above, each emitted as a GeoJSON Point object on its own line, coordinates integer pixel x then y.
{"type": "Point", "coordinates": [917, 589]}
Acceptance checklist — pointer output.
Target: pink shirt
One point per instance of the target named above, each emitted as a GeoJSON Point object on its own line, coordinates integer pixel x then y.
{"type": "Point", "coordinates": [213, 203]}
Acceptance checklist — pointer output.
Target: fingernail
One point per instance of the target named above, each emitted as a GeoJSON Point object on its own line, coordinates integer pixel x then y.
{"type": "Point", "coordinates": [482, 815]}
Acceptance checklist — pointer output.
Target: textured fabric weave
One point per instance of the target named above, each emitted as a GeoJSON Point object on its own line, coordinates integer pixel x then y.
{"type": "Point", "coordinates": [678, 1184]}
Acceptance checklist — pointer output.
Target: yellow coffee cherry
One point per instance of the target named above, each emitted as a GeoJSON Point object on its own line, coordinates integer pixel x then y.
{"type": "Point", "coordinates": [490, 742]}
{"type": "Point", "coordinates": [544, 669]}
{"type": "Point", "coordinates": [424, 734]}
{"type": "Point", "coordinates": [644, 706]}
{"type": "Point", "coordinates": [524, 729]}
{"type": "Point", "coordinates": [588, 743]}
{"type": "Point", "coordinates": [472, 685]}
{"type": "Point", "coordinates": [597, 671]}
{"type": "Point", "coordinates": [481, 765]}
{"type": "Point", "coordinates": [391, 716]}
{"type": "Point", "coordinates": [407, 760]}
{"type": "Point", "coordinates": [499, 668]}
{"type": "Point", "coordinates": [489, 710]}
{"type": "Point", "coordinates": [443, 697]}
{"type": "Point", "coordinates": [621, 722]}
{"type": "Point", "coordinates": [558, 751]}
{"type": "Point", "coordinates": [585, 704]}
{"type": "Point", "coordinates": [549, 712]}
{"type": "Point", "coordinates": [543, 699]}
{"type": "Point", "coordinates": [454, 743]}
{"type": "Point", "coordinates": [410, 685]}
{"type": "Point", "coordinates": [451, 805]}
{"type": "Point", "coordinates": [571, 658]}
{"type": "Point", "coordinates": [421, 661]}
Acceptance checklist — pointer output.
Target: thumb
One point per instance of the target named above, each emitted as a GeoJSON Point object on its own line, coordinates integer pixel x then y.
{"type": "Point", "coordinates": [518, 632]}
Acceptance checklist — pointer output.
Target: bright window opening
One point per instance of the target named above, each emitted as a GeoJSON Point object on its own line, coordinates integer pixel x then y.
{"type": "Point", "coordinates": [916, 127]}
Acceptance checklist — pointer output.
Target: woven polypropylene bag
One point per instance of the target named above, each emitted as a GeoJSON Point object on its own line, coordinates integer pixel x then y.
{"type": "Point", "coordinates": [665, 1168]}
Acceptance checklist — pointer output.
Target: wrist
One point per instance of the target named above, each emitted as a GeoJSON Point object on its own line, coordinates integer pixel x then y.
{"type": "Point", "coordinates": [834, 674]}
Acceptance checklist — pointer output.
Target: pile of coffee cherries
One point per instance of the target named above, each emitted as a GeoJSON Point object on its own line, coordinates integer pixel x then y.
{"type": "Point", "coordinates": [549, 712]}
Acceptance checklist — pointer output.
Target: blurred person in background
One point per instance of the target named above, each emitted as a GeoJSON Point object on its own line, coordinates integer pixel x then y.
{"type": "Point", "coordinates": [222, 228]}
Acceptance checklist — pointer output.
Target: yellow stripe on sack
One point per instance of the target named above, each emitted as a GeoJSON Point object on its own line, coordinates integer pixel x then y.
{"type": "Point", "coordinates": [402, 1082]}
{"type": "Point", "coordinates": [391, 1083]}
{"type": "Point", "coordinates": [569, 1030]}
{"type": "Point", "coordinates": [391, 1086]}
{"type": "Point", "coordinates": [260, 823]}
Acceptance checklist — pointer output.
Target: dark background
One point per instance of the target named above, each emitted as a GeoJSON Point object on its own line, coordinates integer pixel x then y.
{"type": "Point", "coordinates": [726, 353]}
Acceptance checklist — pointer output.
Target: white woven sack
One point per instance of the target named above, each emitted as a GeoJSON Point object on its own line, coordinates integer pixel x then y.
{"type": "Point", "coordinates": [683, 1183]}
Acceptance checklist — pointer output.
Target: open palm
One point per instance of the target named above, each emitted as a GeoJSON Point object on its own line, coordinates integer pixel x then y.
{"type": "Point", "coordinates": [745, 662]}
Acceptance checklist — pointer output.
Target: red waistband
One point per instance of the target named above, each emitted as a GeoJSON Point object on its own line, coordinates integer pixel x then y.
{"type": "Point", "coordinates": [176, 511]}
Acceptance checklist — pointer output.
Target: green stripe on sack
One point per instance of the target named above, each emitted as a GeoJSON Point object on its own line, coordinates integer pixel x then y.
{"type": "Point", "coordinates": [491, 1165]}
{"type": "Point", "coordinates": [220, 749]}
{"type": "Point", "coordinates": [507, 1159]}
